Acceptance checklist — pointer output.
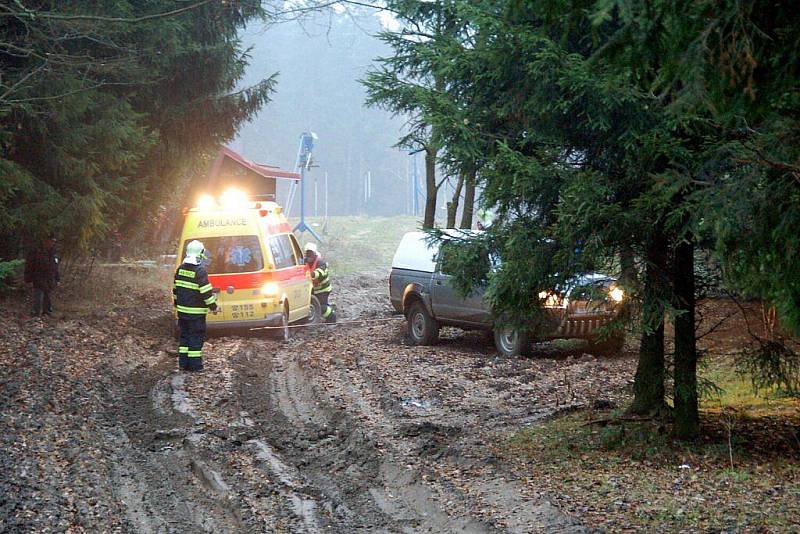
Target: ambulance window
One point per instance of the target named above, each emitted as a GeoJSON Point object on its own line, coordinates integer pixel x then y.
{"type": "Point", "coordinates": [296, 247]}
{"type": "Point", "coordinates": [281, 249]}
{"type": "Point", "coordinates": [232, 254]}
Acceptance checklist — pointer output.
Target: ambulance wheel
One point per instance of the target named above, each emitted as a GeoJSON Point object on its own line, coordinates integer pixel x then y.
{"type": "Point", "coordinates": [282, 333]}
{"type": "Point", "coordinates": [314, 312]}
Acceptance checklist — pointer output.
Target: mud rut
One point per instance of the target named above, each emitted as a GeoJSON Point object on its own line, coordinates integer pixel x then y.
{"type": "Point", "coordinates": [262, 444]}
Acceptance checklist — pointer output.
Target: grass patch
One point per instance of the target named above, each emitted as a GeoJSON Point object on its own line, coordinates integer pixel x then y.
{"type": "Point", "coordinates": [352, 244]}
{"type": "Point", "coordinates": [635, 476]}
{"type": "Point", "coordinates": [737, 392]}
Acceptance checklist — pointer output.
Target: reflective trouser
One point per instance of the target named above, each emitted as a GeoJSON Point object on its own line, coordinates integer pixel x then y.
{"type": "Point", "coordinates": [193, 334]}
{"type": "Point", "coordinates": [327, 312]}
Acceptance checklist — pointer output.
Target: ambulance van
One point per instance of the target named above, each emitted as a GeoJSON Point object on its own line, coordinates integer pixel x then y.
{"type": "Point", "coordinates": [254, 263]}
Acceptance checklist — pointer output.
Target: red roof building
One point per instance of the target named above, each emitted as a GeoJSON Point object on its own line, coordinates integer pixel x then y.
{"type": "Point", "coordinates": [231, 169]}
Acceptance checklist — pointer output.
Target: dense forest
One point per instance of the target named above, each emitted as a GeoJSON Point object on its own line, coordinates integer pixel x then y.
{"type": "Point", "coordinates": [107, 108]}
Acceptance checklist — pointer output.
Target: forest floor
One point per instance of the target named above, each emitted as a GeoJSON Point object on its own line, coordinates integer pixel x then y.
{"type": "Point", "coordinates": [348, 428]}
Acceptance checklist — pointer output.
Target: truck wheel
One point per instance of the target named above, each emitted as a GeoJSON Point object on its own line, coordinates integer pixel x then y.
{"type": "Point", "coordinates": [607, 347]}
{"type": "Point", "coordinates": [422, 328]}
{"type": "Point", "coordinates": [512, 342]}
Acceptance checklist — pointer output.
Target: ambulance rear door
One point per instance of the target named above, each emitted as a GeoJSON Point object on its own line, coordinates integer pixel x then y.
{"type": "Point", "coordinates": [235, 264]}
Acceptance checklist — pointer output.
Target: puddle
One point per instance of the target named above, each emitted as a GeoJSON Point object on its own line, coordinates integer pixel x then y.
{"type": "Point", "coordinates": [180, 397]}
{"type": "Point", "coordinates": [414, 402]}
{"type": "Point", "coordinates": [159, 396]}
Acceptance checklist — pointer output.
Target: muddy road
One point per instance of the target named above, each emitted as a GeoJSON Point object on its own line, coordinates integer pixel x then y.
{"type": "Point", "coordinates": [341, 429]}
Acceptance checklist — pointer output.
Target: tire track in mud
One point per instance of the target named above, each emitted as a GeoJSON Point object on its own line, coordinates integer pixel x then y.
{"type": "Point", "coordinates": [185, 464]}
{"type": "Point", "coordinates": [427, 448]}
{"type": "Point", "coordinates": [363, 484]}
{"type": "Point", "coordinates": [157, 477]}
{"type": "Point", "coordinates": [361, 462]}
{"type": "Point", "coordinates": [260, 443]}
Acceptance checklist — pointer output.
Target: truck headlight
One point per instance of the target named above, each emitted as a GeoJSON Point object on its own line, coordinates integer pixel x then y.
{"type": "Point", "coordinates": [270, 288]}
{"type": "Point", "coordinates": [617, 294]}
{"type": "Point", "coordinates": [551, 299]}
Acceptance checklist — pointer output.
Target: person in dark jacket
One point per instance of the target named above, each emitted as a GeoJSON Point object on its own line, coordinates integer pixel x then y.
{"type": "Point", "coordinates": [321, 282]}
{"type": "Point", "coordinates": [41, 270]}
{"type": "Point", "coordinates": [192, 297]}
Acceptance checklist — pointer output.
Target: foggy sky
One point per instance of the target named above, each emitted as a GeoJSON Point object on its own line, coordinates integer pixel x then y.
{"type": "Point", "coordinates": [320, 61]}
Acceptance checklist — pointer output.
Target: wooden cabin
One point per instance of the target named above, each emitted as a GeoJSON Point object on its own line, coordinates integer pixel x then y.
{"type": "Point", "coordinates": [232, 170]}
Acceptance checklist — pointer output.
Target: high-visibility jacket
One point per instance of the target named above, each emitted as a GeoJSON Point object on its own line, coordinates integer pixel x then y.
{"type": "Point", "coordinates": [192, 293]}
{"type": "Point", "coordinates": [320, 279]}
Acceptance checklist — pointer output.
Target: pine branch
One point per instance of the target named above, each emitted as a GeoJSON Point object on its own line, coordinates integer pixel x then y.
{"type": "Point", "coordinates": [32, 15]}
{"type": "Point", "coordinates": [73, 92]}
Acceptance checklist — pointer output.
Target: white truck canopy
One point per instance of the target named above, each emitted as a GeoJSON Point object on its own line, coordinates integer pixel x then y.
{"type": "Point", "coordinates": [415, 254]}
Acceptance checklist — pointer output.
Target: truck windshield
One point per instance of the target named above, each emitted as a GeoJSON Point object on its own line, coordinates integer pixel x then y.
{"type": "Point", "coordinates": [231, 254]}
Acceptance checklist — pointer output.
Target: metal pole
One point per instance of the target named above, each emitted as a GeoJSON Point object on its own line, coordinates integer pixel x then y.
{"type": "Point", "coordinates": [302, 226]}
{"type": "Point", "coordinates": [416, 188]}
{"type": "Point", "coordinates": [302, 194]}
{"type": "Point", "coordinates": [326, 195]}
{"type": "Point", "coordinates": [409, 192]}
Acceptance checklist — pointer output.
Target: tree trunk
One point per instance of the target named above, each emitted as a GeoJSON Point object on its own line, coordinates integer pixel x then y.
{"type": "Point", "coordinates": [469, 200]}
{"type": "Point", "coordinates": [687, 417]}
{"type": "Point", "coordinates": [430, 188]}
{"type": "Point", "coordinates": [452, 206]}
{"type": "Point", "coordinates": [629, 278]}
{"type": "Point", "coordinates": [648, 385]}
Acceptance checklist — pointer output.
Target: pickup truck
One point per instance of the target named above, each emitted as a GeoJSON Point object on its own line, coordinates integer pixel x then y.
{"type": "Point", "coordinates": [420, 290]}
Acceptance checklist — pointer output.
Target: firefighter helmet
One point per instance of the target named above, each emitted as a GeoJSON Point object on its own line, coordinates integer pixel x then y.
{"type": "Point", "coordinates": [312, 247]}
{"type": "Point", "coordinates": [195, 249]}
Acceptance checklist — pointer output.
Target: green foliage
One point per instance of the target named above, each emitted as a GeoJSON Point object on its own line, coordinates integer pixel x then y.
{"type": "Point", "coordinates": [620, 126]}
{"type": "Point", "coordinates": [9, 270]}
{"type": "Point", "coordinates": [772, 364]}
{"type": "Point", "coordinates": [104, 109]}
{"type": "Point", "coordinates": [466, 259]}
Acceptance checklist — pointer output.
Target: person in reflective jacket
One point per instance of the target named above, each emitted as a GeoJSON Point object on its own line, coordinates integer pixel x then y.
{"type": "Point", "coordinates": [192, 297]}
{"type": "Point", "coordinates": [321, 281]}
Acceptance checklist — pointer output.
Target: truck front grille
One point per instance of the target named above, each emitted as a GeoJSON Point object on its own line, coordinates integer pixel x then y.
{"type": "Point", "coordinates": [582, 326]}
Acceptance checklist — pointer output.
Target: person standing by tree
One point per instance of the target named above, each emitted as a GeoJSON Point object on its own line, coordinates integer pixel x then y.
{"type": "Point", "coordinates": [321, 281]}
{"type": "Point", "coordinates": [193, 297]}
{"type": "Point", "coordinates": [41, 270]}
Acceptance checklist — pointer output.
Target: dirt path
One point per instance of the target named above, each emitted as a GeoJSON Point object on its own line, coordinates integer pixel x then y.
{"type": "Point", "coordinates": [341, 429]}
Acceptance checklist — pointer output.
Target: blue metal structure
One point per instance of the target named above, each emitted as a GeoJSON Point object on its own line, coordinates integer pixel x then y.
{"type": "Point", "coordinates": [304, 163]}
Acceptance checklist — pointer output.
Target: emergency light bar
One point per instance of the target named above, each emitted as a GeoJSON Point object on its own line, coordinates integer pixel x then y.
{"type": "Point", "coordinates": [237, 199]}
